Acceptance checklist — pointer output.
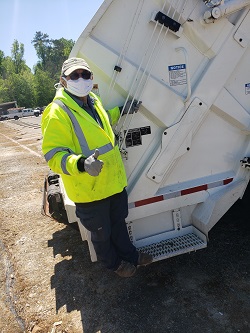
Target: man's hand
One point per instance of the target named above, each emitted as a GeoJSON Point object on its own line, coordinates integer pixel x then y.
{"type": "Point", "coordinates": [92, 165]}
{"type": "Point", "coordinates": [131, 107]}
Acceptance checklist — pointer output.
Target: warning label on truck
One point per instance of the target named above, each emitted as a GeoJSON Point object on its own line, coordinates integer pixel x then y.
{"type": "Point", "coordinates": [247, 88]}
{"type": "Point", "coordinates": [134, 136]}
{"type": "Point", "coordinates": [177, 74]}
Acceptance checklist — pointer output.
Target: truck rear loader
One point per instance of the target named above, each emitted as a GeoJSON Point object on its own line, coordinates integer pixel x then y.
{"type": "Point", "coordinates": [187, 150]}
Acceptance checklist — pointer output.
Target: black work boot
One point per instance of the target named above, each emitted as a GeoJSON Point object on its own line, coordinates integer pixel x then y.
{"type": "Point", "coordinates": [126, 269]}
{"type": "Point", "coordinates": [144, 259]}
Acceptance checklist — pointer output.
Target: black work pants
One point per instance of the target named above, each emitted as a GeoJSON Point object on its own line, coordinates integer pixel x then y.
{"type": "Point", "coordinates": [105, 219]}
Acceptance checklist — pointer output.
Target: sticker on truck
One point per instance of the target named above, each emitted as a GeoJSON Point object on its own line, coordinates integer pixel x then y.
{"type": "Point", "coordinates": [134, 136]}
{"type": "Point", "coordinates": [177, 74]}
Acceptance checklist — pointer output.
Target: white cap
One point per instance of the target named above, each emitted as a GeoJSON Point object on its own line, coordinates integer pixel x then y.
{"type": "Point", "coordinates": [72, 64]}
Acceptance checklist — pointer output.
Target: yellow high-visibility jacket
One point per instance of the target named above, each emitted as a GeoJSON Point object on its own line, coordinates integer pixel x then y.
{"type": "Point", "coordinates": [70, 133]}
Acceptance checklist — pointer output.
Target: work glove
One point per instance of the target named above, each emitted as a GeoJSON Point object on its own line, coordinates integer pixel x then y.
{"type": "Point", "coordinates": [91, 164]}
{"type": "Point", "coordinates": [131, 108]}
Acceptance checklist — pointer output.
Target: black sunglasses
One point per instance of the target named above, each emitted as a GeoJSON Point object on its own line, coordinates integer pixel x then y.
{"type": "Point", "coordinates": [86, 75]}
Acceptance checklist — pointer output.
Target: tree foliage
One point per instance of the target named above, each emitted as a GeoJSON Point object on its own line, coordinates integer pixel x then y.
{"type": "Point", "coordinates": [17, 53]}
{"type": "Point", "coordinates": [51, 53]}
{"type": "Point", "coordinates": [42, 46]}
{"type": "Point", "coordinates": [19, 88]}
{"type": "Point", "coordinates": [1, 62]}
{"type": "Point", "coordinates": [44, 87]}
{"type": "Point", "coordinates": [30, 89]}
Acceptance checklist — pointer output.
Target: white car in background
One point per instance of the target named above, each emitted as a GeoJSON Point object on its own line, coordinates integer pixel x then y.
{"type": "Point", "coordinates": [12, 114]}
{"type": "Point", "coordinates": [19, 113]}
{"type": "Point", "coordinates": [30, 112]}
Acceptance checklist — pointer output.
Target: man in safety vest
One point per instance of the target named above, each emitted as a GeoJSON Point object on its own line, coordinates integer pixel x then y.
{"type": "Point", "coordinates": [79, 144]}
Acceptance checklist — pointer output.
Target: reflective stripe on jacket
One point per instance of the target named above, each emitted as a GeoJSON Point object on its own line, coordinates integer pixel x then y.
{"type": "Point", "coordinates": [69, 133]}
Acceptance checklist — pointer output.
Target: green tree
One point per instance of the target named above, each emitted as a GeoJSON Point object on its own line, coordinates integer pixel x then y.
{"type": "Point", "coordinates": [20, 88]}
{"type": "Point", "coordinates": [17, 82]}
{"type": "Point", "coordinates": [1, 62]}
{"type": "Point", "coordinates": [3, 92]}
{"type": "Point", "coordinates": [44, 87]}
{"type": "Point", "coordinates": [59, 52]}
{"type": "Point", "coordinates": [42, 45]}
{"type": "Point", "coordinates": [16, 78]}
{"type": "Point", "coordinates": [51, 53]}
{"type": "Point", "coordinates": [7, 67]}
{"type": "Point", "coordinates": [17, 53]}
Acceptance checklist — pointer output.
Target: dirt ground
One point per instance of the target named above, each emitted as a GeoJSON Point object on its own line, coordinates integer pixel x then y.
{"type": "Point", "coordinates": [48, 283]}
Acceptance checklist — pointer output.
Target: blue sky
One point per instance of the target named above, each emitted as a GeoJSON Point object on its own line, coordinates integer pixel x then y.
{"type": "Point", "coordinates": [20, 19]}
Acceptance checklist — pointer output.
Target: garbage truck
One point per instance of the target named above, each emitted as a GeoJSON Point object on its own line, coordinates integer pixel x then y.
{"type": "Point", "coordinates": [187, 150]}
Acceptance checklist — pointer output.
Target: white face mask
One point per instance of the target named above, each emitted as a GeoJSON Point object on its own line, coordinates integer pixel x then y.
{"type": "Point", "coordinates": [79, 87]}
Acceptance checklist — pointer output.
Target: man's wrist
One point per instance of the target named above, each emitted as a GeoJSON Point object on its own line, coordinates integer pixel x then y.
{"type": "Point", "coordinates": [80, 164]}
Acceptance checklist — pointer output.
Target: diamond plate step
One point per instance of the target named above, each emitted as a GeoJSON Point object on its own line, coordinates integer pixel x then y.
{"type": "Point", "coordinates": [174, 246]}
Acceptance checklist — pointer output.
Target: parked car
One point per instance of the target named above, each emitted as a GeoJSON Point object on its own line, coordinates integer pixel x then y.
{"type": "Point", "coordinates": [37, 112]}
{"type": "Point", "coordinates": [12, 114]}
{"type": "Point", "coordinates": [28, 112]}
{"type": "Point", "coordinates": [40, 109]}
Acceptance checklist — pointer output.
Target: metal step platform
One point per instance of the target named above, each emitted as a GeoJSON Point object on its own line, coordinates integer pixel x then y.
{"type": "Point", "coordinates": [174, 246]}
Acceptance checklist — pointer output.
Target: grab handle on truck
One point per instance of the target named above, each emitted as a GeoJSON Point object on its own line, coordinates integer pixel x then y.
{"type": "Point", "coordinates": [189, 90]}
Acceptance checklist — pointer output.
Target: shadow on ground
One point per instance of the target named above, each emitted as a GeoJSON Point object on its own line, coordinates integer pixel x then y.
{"type": "Point", "coordinates": [206, 291]}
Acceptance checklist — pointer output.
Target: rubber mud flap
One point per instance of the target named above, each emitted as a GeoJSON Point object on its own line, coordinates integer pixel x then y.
{"type": "Point", "coordinates": [55, 199]}
{"type": "Point", "coordinates": [56, 208]}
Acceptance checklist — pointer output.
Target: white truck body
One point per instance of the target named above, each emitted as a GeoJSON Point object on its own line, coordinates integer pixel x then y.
{"type": "Point", "coordinates": [187, 61]}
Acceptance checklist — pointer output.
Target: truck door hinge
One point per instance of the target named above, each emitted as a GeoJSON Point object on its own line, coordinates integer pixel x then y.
{"type": "Point", "coordinates": [220, 8]}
